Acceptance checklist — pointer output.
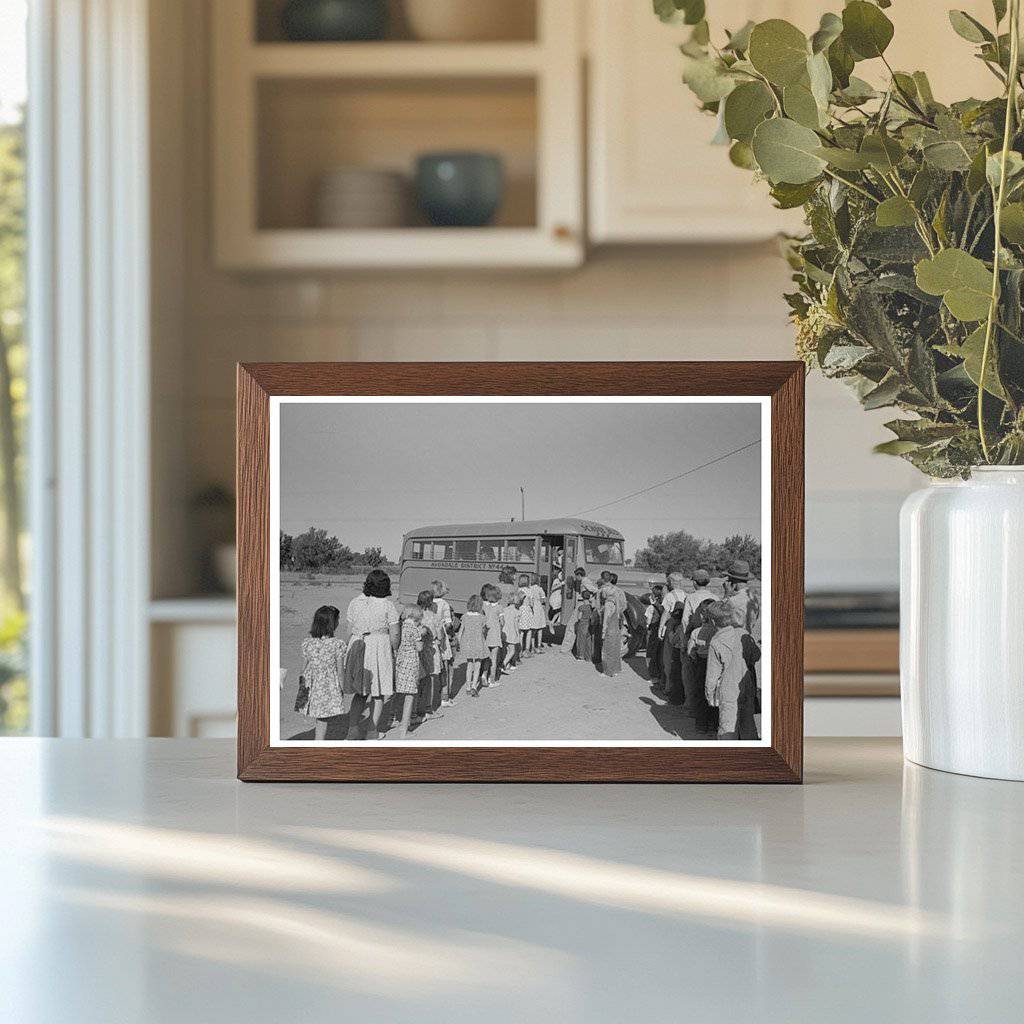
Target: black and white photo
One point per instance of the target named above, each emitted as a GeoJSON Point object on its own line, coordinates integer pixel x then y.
{"type": "Point", "coordinates": [458, 571]}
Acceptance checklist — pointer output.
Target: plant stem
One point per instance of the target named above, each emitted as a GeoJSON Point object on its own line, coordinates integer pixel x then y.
{"type": "Point", "coordinates": [853, 185]}
{"type": "Point", "coordinates": [1011, 109]}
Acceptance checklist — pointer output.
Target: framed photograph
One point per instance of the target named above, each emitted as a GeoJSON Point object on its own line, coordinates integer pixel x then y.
{"type": "Point", "coordinates": [561, 572]}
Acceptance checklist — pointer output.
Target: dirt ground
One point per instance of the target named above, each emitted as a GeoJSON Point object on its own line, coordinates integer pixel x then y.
{"type": "Point", "coordinates": [549, 697]}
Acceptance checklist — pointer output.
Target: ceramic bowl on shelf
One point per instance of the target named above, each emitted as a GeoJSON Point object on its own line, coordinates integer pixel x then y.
{"type": "Point", "coordinates": [460, 189]}
{"type": "Point", "coordinates": [470, 20]}
{"type": "Point", "coordinates": [362, 197]}
{"type": "Point", "coordinates": [334, 21]}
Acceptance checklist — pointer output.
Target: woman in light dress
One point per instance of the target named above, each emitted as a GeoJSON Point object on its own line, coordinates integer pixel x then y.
{"type": "Point", "coordinates": [370, 665]}
{"type": "Point", "coordinates": [611, 633]}
{"type": "Point", "coordinates": [323, 660]}
{"type": "Point", "coordinates": [555, 599]}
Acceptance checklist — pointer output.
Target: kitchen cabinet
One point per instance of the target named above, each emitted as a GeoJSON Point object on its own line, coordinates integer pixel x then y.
{"type": "Point", "coordinates": [654, 177]}
{"type": "Point", "coordinates": [286, 115]}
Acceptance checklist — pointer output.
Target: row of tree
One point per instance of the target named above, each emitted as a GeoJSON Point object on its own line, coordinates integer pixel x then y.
{"type": "Point", "coordinates": [315, 551]}
{"type": "Point", "coordinates": [683, 551]}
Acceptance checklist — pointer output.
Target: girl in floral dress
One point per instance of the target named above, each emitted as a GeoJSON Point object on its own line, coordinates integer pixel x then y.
{"type": "Point", "coordinates": [471, 642]}
{"type": "Point", "coordinates": [407, 663]}
{"type": "Point", "coordinates": [323, 661]}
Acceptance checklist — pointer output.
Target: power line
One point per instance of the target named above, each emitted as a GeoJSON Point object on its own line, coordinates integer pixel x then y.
{"type": "Point", "coordinates": [636, 494]}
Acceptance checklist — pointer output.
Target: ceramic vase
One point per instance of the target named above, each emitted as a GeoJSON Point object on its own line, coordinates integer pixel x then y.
{"type": "Point", "coordinates": [962, 624]}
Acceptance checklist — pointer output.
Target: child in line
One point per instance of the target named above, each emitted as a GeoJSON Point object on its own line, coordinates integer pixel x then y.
{"type": "Point", "coordinates": [430, 655]}
{"type": "Point", "coordinates": [510, 630]}
{"type": "Point", "coordinates": [471, 642]}
{"type": "Point", "coordinates": [525, 617]}
{"type": "Point", "coordinates": [491, 596]}
{"type": "Point", "coordinates": [585, 629]}
{"type": "Point", "coordinates": [444, 613]}
{"type": "Point", "coordinates": [726, 669]}
{"type": "Point", "coordinates": [407, 663]}
{"type": "Point", "coordinates": [323, 660]}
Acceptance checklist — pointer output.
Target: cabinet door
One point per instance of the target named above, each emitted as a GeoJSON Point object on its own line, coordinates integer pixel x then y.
{"type": "Point", "coordinates": [654, 177]}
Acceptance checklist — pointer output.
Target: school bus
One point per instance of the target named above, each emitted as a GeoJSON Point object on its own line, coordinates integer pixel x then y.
{"type": "Point", "coordinates": [468, 555]}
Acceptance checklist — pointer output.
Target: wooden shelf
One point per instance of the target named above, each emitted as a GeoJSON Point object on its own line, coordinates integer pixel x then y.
{"type": "Point", "coordinates": [393, 60]}
{"type": "Point", "coordinates": [852, 650]}
{"type": "Point", "coordinates": [284, 114]}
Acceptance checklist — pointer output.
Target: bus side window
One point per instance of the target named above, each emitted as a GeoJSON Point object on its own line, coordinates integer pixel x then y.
{"type": "Point", "coordinates": [465, 550]}
{"type": "Point", "coordinates": [490, 551]}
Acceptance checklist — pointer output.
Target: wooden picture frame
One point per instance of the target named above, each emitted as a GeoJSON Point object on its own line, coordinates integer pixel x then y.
{"type": "Point", "coordinates": [779, 760]}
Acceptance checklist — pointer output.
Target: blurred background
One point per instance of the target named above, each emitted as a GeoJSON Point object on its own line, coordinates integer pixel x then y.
{"type": "Point", "coordinates": [243, 180]}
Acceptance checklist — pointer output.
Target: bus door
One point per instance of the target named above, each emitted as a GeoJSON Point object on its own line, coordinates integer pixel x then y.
{"type": "Point", "coordinates": [569, 563]}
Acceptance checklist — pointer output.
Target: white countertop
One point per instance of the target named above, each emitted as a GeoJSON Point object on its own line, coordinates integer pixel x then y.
{"type": "Point", "coordinates": [140, 882]}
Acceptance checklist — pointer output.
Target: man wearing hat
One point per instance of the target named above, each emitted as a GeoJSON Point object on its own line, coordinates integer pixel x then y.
{"type": "Point", "coordinates": [737, 593]}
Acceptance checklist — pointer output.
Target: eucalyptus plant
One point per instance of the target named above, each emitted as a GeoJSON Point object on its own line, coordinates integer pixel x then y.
{"type": "Point", "coordinates": [910, 277]}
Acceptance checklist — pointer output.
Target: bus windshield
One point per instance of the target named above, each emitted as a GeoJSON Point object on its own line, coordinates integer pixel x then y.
{"type": "Point", "coordinates": [601, 551]}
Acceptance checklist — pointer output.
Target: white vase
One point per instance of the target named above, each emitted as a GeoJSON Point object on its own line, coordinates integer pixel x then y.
{"type": "Point", "coordinates": [962, 624]}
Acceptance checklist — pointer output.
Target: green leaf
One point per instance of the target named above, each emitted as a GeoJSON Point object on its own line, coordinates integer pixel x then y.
{"type": "Point", "coordinates": [779, 51]}
{"type": "Point", "coordinates": [844, 159]}
{"type": "Point", "coordinates": [947, 156]}
{"type": "Point", "coordinates": [690, 12]}
{"type": "Point", "coordinates": [787, 151]}
{"type": "Point", "coordinates": [969, 28]}
{"type": "Point", "coordinates": [745, 108]}
{"type": "Point", "coordinates": [739, 41]}
{"type": "Point", "coordinates": [971, 351]}
{"type": "Point", "coordinates": [801, 106]}
{"type": "Point", "coordinates": [857, 91]}
{"type": "Point", "coordinates": [895, 447]}
{"type": "Point", "coordinates": [895, 212]}
{"type": "Point", "coordinates": [866, 29]}
{"type": "Point", "coordinates": [741, 155]}
{"type": "Point", "coordinates": [882, 151]}
{"type": "Point", "coordinates": [963, 281]}
{"type": "Point", "coordinates": [707, 78]}
{"type": "Point", "coordinates": [976, 173]}
{"type": "Point", "coordinates": [993, 167]}
{"type": "Point", "coordinates": [819, 74]}
{"type": "Point", "coordinates": [829, 30]}
{"type": "Point", "coordinates": [923, 431]}
{"type": "Point", "coordinates": [788, 196]}
{"type": "Point", "coordinates": [1012, 224]}
{"type": "Point", "coordinates": [841, 63]}
{"type": "Point", "coordinates": [922, 185]}
{"type": "Point", "coordinates": [885, 394]}
{"type": "Point", "coordinates": [999, 9]}
{"type": "Point", "coordinates": [924, 88]}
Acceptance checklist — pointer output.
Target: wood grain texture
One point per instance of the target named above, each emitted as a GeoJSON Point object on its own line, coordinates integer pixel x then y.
{"type": "Point", "coordinates": [781, 762]}
{"type": "Point", "coordinates": [852, 650]}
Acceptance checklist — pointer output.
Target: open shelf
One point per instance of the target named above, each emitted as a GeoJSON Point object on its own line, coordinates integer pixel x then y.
{"type": "Point", "coordinates": [287, 114]}
{"type": "Point", "coordinates": [308, 128]}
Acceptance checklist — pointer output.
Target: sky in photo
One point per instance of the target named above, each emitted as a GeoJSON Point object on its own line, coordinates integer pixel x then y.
{"type": "Point", "coordinates": [368, 473]}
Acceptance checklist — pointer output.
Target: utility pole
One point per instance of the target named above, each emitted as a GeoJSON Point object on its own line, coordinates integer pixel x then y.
{"type": "Point", "coordinates": [522, 495]}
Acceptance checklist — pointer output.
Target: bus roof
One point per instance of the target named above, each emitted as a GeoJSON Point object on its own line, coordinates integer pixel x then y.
{"type": "Point", "coordinates": [520, 528]}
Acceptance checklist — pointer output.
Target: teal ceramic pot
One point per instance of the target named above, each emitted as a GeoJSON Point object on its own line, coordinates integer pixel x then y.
{"type": "Point", "coordinates": [334, 21]}
{"type": "Point", "coordinates": [460, 189]}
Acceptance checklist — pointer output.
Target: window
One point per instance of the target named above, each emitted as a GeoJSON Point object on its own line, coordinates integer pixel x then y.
{"type": "Point", "coordinates": [603, 552]}
{"type": "Point", "coordinates": [490, 551]}
{"type": "Point", "coordinates": [522, 552]}
{"type": "Point", "coordinates": [465, 550]}
{"type": "Point", "coordinates": [14, 691]}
